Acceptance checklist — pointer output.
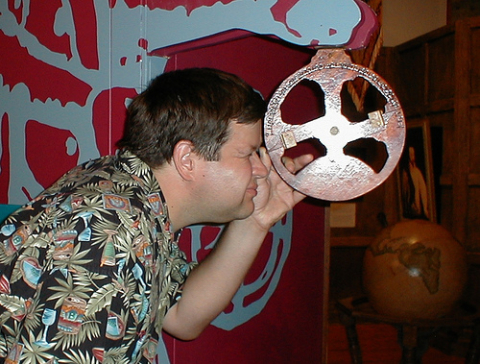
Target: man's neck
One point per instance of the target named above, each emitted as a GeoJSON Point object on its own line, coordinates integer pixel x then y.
{"type": "Point", "coordinates": [175, 193]}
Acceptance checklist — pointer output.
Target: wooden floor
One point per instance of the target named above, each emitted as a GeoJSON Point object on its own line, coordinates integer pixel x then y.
{"type": "Point", "coordinates": [379, 345]}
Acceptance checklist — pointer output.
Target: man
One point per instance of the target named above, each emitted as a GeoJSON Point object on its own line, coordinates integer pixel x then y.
{"type": "Point", "coordinates": [90, 269]}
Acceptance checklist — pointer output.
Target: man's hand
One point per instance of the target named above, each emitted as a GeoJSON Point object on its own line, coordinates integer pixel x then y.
{"type": "Point", "coordinates": [275, 197]}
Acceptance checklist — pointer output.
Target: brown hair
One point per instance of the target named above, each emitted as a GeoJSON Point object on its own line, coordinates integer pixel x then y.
{"type": "Point", "coordinates": [195, 104]}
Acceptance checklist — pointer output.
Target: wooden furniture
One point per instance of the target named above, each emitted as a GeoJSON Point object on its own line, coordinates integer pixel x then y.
{"type": "Point", "coordinates": [466, 315]}
{"type": "Point", "coordinates": [436, 78]}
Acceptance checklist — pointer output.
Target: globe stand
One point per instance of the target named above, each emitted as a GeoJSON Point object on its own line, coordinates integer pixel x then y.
{"type": "Point", "coordinates": [464, 316]}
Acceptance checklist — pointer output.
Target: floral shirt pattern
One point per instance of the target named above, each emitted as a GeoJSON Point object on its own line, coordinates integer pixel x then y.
{"type": "Point", "coordinates": [89, 268]}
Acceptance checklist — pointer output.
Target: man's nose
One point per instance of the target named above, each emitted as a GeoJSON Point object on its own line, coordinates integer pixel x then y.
{"type": "Point", "coordinates": [259, 169]}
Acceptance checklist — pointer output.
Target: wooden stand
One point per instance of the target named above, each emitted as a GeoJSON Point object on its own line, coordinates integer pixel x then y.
{"type": "Point", "coordinates": [351, 310]}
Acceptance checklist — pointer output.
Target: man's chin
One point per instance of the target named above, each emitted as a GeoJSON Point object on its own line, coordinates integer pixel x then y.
{"type": "Point", "coordinates": [244, 212]}
{"type": "Point", "coordinates": [240, 213]}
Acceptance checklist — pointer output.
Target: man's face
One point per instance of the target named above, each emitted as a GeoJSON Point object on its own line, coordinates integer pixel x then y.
{"type": "Point", "coordinates": [229, 185]}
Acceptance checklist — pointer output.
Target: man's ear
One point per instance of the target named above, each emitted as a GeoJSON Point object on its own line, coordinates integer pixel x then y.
{"type": "Point", "coordinates": [184, 159]}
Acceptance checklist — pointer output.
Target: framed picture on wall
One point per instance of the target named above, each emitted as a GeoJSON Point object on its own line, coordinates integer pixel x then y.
{"type": "Point", "coordinates": [415, 174]}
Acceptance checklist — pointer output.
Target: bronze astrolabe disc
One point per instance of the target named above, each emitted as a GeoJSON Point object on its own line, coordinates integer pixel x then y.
{"type": "Point", "coordinates": [335, 176]}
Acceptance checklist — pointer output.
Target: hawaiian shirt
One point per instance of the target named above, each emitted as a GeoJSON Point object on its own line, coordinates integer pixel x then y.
{"type": "Point", "coordinates": [89, 268]}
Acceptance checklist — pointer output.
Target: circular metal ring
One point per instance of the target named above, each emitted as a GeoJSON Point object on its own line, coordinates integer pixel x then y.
{"type": "Point", "coordinates": [335, 176]}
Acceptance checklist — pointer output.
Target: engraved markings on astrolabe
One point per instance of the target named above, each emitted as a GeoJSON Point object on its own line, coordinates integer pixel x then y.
{"type": "Point", "coordinates": [335, 131]}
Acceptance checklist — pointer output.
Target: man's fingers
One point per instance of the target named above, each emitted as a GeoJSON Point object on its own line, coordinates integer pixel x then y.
{"type": "Point", "coordinates": [294, 165]}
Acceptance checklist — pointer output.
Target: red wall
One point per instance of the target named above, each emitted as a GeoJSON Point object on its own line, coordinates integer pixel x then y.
{"type": "Point", "coordinates": [290, 327]}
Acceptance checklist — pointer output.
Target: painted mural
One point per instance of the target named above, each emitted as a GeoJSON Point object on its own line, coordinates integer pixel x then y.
{"type": "Point", "coordinates": [69, 68]}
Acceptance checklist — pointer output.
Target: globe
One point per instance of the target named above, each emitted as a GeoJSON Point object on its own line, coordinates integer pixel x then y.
{"type": "Point", "coordinates": [414, 269]}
